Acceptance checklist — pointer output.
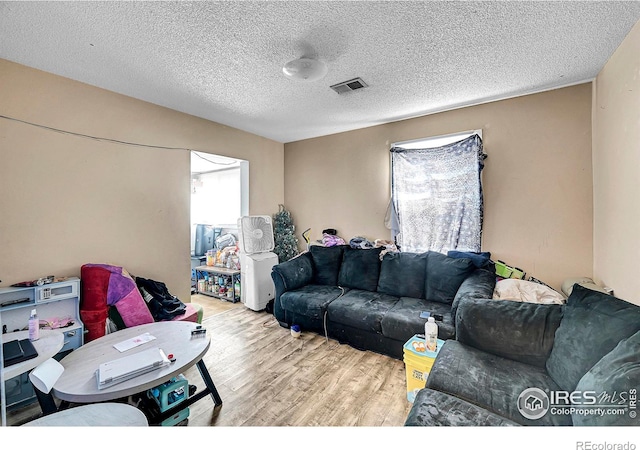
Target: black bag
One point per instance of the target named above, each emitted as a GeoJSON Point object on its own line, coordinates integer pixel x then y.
{"type": "Point", "coordinates": [161, 304]}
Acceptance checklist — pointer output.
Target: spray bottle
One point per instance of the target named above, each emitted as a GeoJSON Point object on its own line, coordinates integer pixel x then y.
{"type": "Point", "coordinates": [34, 326]}
{"type": "Point", "coordinates": [431, 334]}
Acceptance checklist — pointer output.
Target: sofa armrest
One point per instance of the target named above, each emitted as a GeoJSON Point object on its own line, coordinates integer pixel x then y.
{"type": "Point", "coordinates": [518, 331]}
{"type": "Point", "coordinates": [290, 275]}
{"type": "Point", "coordinates": [295, 273]}
{"type": "Point", "coordinates": [479, 285]}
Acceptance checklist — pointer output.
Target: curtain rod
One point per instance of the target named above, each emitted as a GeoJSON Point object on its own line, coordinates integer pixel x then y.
{"type": "Point", "coordinates": [442, 136]}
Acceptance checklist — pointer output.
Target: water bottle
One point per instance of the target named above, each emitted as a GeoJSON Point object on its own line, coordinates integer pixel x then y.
{"type": "Point", "coordinates": [431, 334]}
{"type": "Point", "coordinates": [34, 326]}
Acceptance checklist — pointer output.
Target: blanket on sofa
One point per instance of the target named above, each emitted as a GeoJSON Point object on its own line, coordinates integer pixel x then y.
{"type": "Point", "coordinates": [527, 291]}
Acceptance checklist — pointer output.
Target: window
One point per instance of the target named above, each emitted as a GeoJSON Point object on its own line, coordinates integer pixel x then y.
{"type": "Point", "coordinates": [215, 197]}
{"type": "Point", "coordinates": [219, 191]}
{"type": "Point", "coordinates": [436, 193]}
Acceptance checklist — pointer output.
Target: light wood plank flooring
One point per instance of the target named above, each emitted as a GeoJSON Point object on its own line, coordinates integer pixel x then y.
{"type": "Point", "coordinates": [268, 378]}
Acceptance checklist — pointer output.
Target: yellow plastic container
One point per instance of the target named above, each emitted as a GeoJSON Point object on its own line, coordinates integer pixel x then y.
{"type": "Point", "coordinates": [418, 362]}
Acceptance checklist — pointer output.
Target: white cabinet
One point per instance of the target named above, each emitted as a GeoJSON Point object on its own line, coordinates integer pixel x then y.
{"type": "Point", "coordinates": [56, 303]}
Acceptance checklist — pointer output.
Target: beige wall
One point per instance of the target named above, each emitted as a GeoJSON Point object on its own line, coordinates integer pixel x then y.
{"type": "Point", "coordinates": [66, 201]}
{"type": "Point", "coordinates": [616, 170]}
{"type": "Point", "coordinates": [537, 179]}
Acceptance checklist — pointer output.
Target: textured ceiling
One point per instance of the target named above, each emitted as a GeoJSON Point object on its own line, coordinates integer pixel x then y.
{"type": "Point", "coordinates": [223, 60]}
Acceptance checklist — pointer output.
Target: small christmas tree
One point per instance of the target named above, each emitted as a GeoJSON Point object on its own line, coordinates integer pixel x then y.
{"type": "Point", "coordinates": [286, 243]}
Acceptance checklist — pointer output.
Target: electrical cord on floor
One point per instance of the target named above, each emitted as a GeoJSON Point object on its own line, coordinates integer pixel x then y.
{"type": "Point", "coordinates": [324, 325]}
{"type": "Point", "coordinates": [324, 320]}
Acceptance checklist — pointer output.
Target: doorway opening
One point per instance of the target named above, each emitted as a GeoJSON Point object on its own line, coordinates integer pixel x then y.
{"type": "Point", "coordinates": [219, 197]}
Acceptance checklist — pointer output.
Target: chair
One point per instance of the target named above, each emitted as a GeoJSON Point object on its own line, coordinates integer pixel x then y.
{"type": "Point", "coordinates": [43, 377]}
{"type": "Point", "coordinates": [111, 293]}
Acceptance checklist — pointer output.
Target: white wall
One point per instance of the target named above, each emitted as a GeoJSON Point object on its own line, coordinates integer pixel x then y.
{"type": "Point", "coordinates": [66, 200]}
{"type": "Point", "coordinates": [537, 180]}
{"type": "Point", "coordinates": [616, 170]}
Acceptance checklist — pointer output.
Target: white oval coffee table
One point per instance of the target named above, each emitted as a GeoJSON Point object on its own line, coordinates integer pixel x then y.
{"type": "Point", "coordinates": [95, 415]}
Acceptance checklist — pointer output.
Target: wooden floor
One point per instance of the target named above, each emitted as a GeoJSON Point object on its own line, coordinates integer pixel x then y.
{"type": "Point", "coordinates": [268, 378]}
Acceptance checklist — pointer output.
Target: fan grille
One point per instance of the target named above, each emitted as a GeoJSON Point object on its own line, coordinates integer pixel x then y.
{"type": "Point", "coordinates": [257, 234]}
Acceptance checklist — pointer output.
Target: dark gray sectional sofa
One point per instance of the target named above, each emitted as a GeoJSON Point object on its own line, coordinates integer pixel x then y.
{"type": "Point", "coordinates": [374, 303]}
{"type": "Point", "coordinates": [517, 363]}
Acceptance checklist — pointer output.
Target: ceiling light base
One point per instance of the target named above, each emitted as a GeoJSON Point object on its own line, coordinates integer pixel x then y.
{"type": "Point", "coordinates": [305, 69]}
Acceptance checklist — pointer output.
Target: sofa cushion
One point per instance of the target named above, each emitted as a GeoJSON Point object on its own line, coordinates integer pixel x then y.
{"type": "Point", "coordinates": [592, 326]}
{"type": "Point", "coordinates": [402, 274]}
{"type": "Point", "coordinates": [519, 331]}
{"type": "Point", "coordinates": [310, 300]}
{"type": "Point", "coordinates": [360, 268]}
{"type": "Point", "coordinates": [326, 261]}
{"type": "Point", "coordinates": [490, 381]}
{"type": "Point", "coordinates": [361, 309]}
{"type": "Point", "coordinates": [434, 408]}
{"type": "Point", "coordinates": [445, 275]}
{"type": "Point", "coordinates": [403, 320]}
{"type": "Point", "coordinates": [616, 374]}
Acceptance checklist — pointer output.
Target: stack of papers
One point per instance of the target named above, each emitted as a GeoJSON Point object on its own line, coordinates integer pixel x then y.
{"type": "Point", "coordinates": [134, 342]}
{"type": "Point", "coordinates": [123, 369]}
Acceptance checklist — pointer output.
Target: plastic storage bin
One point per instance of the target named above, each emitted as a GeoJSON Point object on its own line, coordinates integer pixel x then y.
{"type": "Point", "coordinates": [176, 419]}
{"type": "Point", "coordinates": [170, 394]}
{"type": "Point", "coordinates": [418, 362]}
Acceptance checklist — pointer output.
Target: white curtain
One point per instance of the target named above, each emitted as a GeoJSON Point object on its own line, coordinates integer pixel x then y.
{"type": "Point", "coordinates": [437, 196]}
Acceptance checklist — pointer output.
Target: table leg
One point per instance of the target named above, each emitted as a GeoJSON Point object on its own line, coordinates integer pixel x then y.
{"type": "Point", "coordinates": [46, 401]}
{"type": "Point", "coordinates": [209, 383]}
{"type": "Point", "coordinates": [64, 405]}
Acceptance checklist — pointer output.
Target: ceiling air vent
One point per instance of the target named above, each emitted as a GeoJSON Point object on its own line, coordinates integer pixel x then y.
{"type": "Point", "coordinates": [348, 86]}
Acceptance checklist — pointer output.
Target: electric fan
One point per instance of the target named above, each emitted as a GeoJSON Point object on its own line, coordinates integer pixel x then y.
{"type": "Point", "coordinates": [256, 234]}
{"type": "Point", "coordinates": [256, 243]}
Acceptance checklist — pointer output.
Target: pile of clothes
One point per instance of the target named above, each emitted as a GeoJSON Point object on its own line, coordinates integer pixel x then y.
{"type": "Point", "coordinates": [330, 238]}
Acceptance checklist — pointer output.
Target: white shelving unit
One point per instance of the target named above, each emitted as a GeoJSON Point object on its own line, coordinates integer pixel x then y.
{"type": "Point", "coordinates": [230, 278]}
{"type": "Point", "coordinates": [59, 300]}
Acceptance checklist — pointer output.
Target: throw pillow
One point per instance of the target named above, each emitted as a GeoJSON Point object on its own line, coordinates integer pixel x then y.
{"type": "Point", "coordinates": [402, 274]}
{"type": "Point", "coordinates": [592, 325]}
{"type": "Point", "coordinates": [326, 261]}
{"type": "Point", "coordinates": [360, 268]}
{"type": "Point", "coordinates": [614, 379]}
{"type": "Point", "coordinates": [480, 259]}
{"type": "Point", "coordinates": [444, 276]}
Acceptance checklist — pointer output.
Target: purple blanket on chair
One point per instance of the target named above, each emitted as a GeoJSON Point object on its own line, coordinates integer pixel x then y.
{"type": "Point", "coordinates": [123, 293]}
